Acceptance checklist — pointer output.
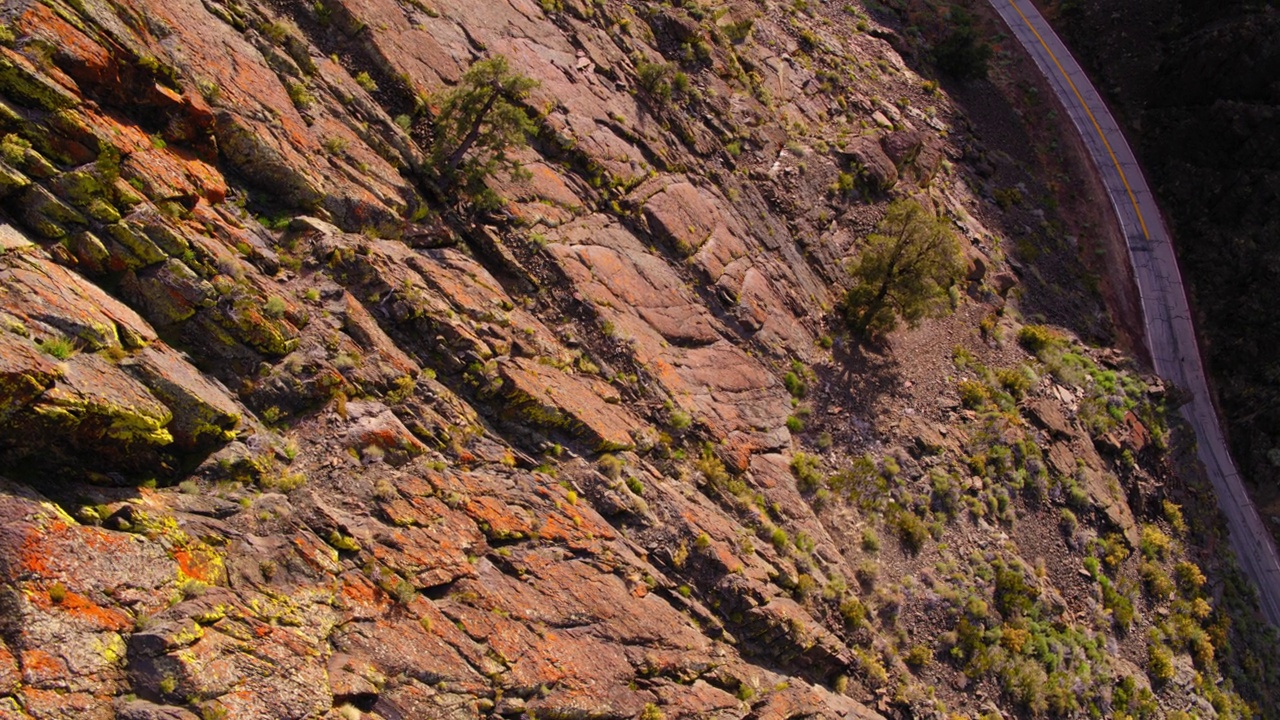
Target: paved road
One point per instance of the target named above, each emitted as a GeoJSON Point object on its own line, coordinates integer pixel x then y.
{"type": "Point", "coordinates": [1170, 336]}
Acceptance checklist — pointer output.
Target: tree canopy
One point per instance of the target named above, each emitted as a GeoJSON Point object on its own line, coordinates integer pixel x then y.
{"type": "Point", "coordinates": [903, 272]}
{"type": "Point", "coordinates": [963, 53]}
{"type": "Point", "coordinates": [479, 119]}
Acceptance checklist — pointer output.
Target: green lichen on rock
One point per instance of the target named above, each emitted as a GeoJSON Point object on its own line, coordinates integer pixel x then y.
{"type": "Point", "coordinates": [170, 292]}
{"type": "Point", "coordinates": [121, 423]}
{"type": "Point", "coordinates": [16, 150]}
{"type": "Point", "coordinates": [167, 238]}
{"type": "Point", "coordinates": [17, 389]}
{"type": "Point", "coordinates": [274, 337]}
{"type": "Point", "coordinates": [85, 190]}
{"type": "Point", "coordinates": [21, 80]}
{"type": "Point", "coordinates": [264, 165]}
{"type": "Point", "coordinates": [89, 251]}
{"type": "Point", "coordinates": [203, 414]}
{"type": "Point", "coordinates": [140, 251]}
{"type": "Point", "coordinates": [94, 416]}
{"type": "Point", "coordinates": [11, 180]}
{"type": "Point", "coordinates": [48, 216]}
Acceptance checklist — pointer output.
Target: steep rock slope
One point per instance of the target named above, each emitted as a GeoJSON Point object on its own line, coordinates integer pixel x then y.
{"type": "Point", "coordinates": [292, 430]}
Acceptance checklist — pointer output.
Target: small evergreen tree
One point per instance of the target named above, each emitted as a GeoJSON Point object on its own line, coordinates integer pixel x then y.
{"type": "Point", "coordinates": [479, 119]}
{"type": "Point", "coordinates": [903, 272]}
{"type": "Point", "coordinates": [963, 54]}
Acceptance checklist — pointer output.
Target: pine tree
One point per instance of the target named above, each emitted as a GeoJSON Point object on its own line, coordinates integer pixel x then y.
{"type": "Point", "coordinates": [479, 119]}
{"type": "Point", "coordinates": [903, 272]}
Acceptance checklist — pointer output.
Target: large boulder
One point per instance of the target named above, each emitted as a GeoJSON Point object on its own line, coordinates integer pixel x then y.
{"type": "Point", "coordinates": [877, 169]}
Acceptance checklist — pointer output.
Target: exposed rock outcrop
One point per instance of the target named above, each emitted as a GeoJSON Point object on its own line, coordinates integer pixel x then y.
{"type": "Point", "coordinates": [293, 427]}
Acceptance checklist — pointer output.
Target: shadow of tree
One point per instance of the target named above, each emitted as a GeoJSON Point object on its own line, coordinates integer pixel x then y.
{"type": "Point", "coordinates": [849, 394]}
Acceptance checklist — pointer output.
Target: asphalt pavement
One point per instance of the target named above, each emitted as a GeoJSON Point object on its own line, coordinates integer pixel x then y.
{"type": "Point", "coordinates": [1170, 335]}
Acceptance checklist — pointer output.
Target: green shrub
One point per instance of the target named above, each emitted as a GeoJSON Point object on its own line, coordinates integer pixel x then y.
{"type": "Point", "coordinates": [1077, 497]}
{"type": "Point", "coordinates": [1038, 338]}
{"type": "Point", "coordinates": [1013, 597]}
{"type": "Point", "coordinates": [739, 31]}
{"type": "Point", "coordinates": [911, 530]}
{"type": "Point", "coordinates": [343, 542]}
{"type": "Point", "coordinates": [1114, 550]}
{"type": "Point", "coordinates": [335, 145]}
{"type": "Point", "coordinates": [918, 656]}
{"type": "Point", "coordinates": [274, 307]}
{"type": "Point", "coordinates": [1016, 381]}
{"type": "Point", "coordinates": [853, 612]}
{"type": "Point", "coordinates": [711, 466]}
{"type": "Point", "coordinates": [1173, 514]}
{"type": "Point", "coordinates": [963, 53]}
{"type": "Point", "coordinates": [300, 95]}
{"type": "Point", "coordinates": [973, 394]}
{"type": "Point", "coordinates": [1159, 662]}
{"type": "Point", "coordinates": [903, 271]}
{"type": "Point", "coordinates": [866, 573]}
{"type": "Point", "coordinates": [478, 120]}
{"type": "Point", "coordinates": [1156, 581]}
{"type": "Point", "coordinates": [363, 80]}
{"type": "Point", "coordinates": [1118, 603]}
{"type": "Point", "coordinates": [610, 466]}
{"type": "Point", "coordinates": [1189, 576]}
{"type": "Point", "coordinates": [794, 384]}
{"type": "Point", "coordinates": [59, 347]}
{"type": "Point", "coordinates": [655, 79]}
{"type": "Point", "coordinates": [945, 495]}
{"type": "Point", "coordinates": [1025, 681]}
{"type": "Point", "coordinates": [807, 469]}
{"type": "Point", "coordinates": [873, 670]}
{"type": "Point", "coordinates": [1068, 522]}
{"type": "Point", "coordinates": [1154, 544]}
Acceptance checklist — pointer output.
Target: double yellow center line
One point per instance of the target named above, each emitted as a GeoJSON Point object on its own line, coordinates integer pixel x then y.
{"type": "Point", "coordinates": [1094, 120]}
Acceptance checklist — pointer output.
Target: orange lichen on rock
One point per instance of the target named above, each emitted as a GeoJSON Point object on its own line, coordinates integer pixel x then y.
{"type": "Point", "coordinates": [41, 668]}
{"type": "Point", "coordinates": [54, 597]}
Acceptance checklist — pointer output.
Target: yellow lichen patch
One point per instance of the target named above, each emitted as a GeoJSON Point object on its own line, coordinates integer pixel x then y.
{"type": "Point", "coordinates": [111, 647]}
{"type": "Point", "coordinates": [198, 561]}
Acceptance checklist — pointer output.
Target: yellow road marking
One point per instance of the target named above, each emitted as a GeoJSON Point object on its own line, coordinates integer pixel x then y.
{"type": "Point", "coordinates": [1096, 126]}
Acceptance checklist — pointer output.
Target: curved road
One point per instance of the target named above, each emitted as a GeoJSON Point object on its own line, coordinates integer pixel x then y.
{"type": "Point", "coordinates": [1170, 336]}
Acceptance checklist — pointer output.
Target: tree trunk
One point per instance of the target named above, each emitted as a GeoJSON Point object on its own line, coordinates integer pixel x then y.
{"type": "Point", "coordinates": [455, 158]}
{"type": "Point", "coordinates": [873, 307]}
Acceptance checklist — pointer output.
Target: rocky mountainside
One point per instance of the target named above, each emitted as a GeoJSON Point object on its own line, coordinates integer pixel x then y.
{"type": "Point", "coordinates": [1198, 83]}
{"type": "Point", "coordinates": [293, 426]}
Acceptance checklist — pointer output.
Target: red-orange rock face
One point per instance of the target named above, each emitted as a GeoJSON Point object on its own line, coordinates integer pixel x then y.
{"type": "Point", "coordinates": [296, 424]}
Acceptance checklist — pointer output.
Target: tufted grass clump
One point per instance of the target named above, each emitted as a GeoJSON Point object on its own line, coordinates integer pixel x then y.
{"type": "Point", "coordinates": [59, 347]}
